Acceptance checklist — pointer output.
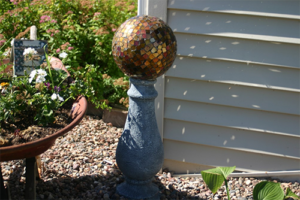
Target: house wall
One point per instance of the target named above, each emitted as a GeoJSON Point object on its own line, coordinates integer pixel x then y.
{"type": "Point", "coordinates": [232, 96]}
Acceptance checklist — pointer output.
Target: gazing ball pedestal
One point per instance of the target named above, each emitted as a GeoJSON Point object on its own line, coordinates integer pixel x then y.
{"type": "Point", "coordinates": [144, 48]}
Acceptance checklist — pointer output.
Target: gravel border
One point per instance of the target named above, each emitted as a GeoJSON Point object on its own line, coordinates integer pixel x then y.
{"type": "Point", "coordinates": [82, 165]}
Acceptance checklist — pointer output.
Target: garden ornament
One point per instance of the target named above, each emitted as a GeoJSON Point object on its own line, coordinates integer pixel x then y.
{"type": "Point", "coordinates": [144, 48]}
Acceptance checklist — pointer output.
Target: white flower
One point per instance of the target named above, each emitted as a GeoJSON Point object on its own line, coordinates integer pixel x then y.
{"type": "Point", "coordinates": [56, 96]}
{"type": "Point", "coordinates": [40, 79]}
{"type": "Point", "coordinates": [3, 90]}
{"type": "Point", "coordinates": [41, 75]}
{"type": "Point", "coordinates": [53, 96]}
{"type": "Point", "coordinates": [32, 75]}
{"type": "Point", "coordinates": [60, 98]}
{"type": "Point", "coordinates": [30, 79]}
{"type": "Point", "coordinates": [12, 42]}
{"type": "Point", "coordinates": [29, 51]}
{"type": "Point", "coordinates": [63, 55]}
{"type": "Point", "coordinates": [5, 53]}
{"type": "Point", "coordinates": [41, 72]}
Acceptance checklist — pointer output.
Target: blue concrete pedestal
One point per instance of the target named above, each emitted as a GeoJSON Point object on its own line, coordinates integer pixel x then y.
{"type": "Point", "coordinates": [140, 150]}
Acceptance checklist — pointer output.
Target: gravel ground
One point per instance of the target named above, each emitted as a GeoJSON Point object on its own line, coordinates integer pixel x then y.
{"type": "Point", "coordinates": [82, 165]}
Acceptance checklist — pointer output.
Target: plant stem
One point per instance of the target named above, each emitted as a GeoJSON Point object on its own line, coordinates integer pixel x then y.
{"type": "Point", "coordinates": [5, 43]}
{"type": "Point", "coordinates": [226, 184]}
{"type": "Point", "coordinates": [49, 68]}
{"type": "Point", "coordinates": [65, 101]}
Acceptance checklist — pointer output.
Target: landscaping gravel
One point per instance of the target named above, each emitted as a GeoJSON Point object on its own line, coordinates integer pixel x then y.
{"type": "Point", "coordinates": [82, 165]}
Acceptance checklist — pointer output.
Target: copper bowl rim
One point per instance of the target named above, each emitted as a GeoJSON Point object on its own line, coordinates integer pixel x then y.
{"type": "Point", "coordinates": [77, 117]}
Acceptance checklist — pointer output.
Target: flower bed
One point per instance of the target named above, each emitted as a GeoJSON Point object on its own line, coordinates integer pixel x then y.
{"type": "Point", "coordinates": [34, 105]}
{"type": "Point", "coordinates": [81, 32]}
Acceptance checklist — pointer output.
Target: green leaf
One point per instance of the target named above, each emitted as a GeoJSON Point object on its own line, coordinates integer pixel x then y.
{"type": "Point", "coordinates": [48, 113]}
{"type": "Point", "coordinates": [290, 194]}
{"type": "Point", "coordinates": [215, 177]}
{"type": "Point", "coordinates": [268, 191]}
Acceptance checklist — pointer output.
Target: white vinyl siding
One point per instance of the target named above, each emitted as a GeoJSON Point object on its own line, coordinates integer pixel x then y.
{"type": "Point", "coordinates": [232, 96]}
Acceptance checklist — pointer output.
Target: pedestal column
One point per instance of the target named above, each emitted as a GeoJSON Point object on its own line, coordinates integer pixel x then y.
{"type": "Point", "coordinates": [140, 149]}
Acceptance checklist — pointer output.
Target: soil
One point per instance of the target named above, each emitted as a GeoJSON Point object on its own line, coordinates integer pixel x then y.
{"type": "Point", "coordinates": [24, 131]}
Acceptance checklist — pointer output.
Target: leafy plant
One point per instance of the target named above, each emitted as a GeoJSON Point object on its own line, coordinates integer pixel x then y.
{"type": "Point", "coordinates": [268, 191]}
{"type": "Point", "coordinates": [214, 178]}
{"type": "Point", "coordinates": [264, 190]}
{"type": "Point", "coordinates": [109, 90]}
{"type": "Point", "coordinates": [290, 194]}
{"type": "Point", "coordinates": [35, 96]}
{"type": "Point", "coordinates": [83, 30]}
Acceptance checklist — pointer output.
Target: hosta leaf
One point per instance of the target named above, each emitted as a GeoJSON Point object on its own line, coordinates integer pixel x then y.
{"type": "Point", "coordinates": [268, 191]}
{"type": "Point", "coordinates": [226, 171]}
{"type": "Point", "coordinates": [215, 177]}
{"type": "Point", "coordinates": [290, 194]}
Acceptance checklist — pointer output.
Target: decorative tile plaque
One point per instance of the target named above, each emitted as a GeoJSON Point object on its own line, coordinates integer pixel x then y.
{"type": "Point", "coordinates": [144, 47]}
{"type": "Point", "coordinates": [20, 64]}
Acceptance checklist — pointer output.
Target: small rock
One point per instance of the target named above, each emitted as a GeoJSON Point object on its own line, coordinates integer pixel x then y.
{"type": "Point", "coordinates": [248, 182]}
{"type": "Point", "coordinates": [241, 181]}
{"type": "Point", "coordinates": [76, 166]}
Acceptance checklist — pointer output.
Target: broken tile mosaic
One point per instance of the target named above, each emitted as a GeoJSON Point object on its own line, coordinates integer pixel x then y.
{"type": "Point", "coordinates": [144, 47]}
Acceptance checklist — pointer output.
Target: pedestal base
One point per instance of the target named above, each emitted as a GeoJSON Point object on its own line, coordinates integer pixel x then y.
{"type": "Point", "coordinates": [139, 191]}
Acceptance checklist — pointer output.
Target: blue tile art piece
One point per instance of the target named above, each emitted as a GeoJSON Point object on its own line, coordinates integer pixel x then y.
{"type": "Point", "coordinates": [20, 63]}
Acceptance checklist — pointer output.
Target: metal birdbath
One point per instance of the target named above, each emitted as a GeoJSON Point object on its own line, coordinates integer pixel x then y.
{"type": "Point", "coordinates": [144, 48]}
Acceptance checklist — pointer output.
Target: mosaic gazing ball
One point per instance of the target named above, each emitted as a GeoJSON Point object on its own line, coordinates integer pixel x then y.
{"type": "Point", "coordinates": [144, 47]}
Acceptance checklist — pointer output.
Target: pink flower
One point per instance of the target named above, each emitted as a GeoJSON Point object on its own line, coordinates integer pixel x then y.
{"type": "Point", "coordinates": [48, 31]}
{"type": "Point", "coordinates": [12, 1]}
{"type": "Point", "coordinates": [70, 48]}
{"type": "Point", "coordinates": [53, 21]}
{"type": "Point", "coordinates": [44, 17]}
{"type": "Point", "coordinates": [42, 21]}
{"type": "Point", "coordinates": [57, 31]}
{"type": "Point", "coordinates": [69, 12]}
{"type": "Point", "coordinates": [97, 13]}
{"type": "Point", "coordinates": [26, 8]}
{"type": "Point", "coordinates": [114, 29]}
{"type": "Point", "coordinates": [2, 42]}
{"type": "Point", "coordinates": [57, 50]}
{"type": "Point", "coordinates": [15, 3]}
{"type": "Point", "coordinates": [52, 35]}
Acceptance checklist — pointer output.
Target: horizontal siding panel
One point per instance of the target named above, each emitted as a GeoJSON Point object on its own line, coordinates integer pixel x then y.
{"type": "Point", "coordinates": [235, 26]}
{"type": "Point", "coordinates": [222, 137]}
{"type": "Point", "coordinates": [233, 95]}
{"type": "Point", "coordinates": [232, 117]}
{"type": "Point", "coordinates": [238, 49]}
{"type": "Point", "coordinates": [212, 156]}
{"type": "Point", "coordinates": [281, 8]}
{"type": "Point", "coordinates": [236, 73]}
{"type": "Point", "coordinates": [184, 167]}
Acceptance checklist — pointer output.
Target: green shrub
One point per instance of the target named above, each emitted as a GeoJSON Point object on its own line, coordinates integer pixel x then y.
{"type": "Point", "coordinates": [83, 29]}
